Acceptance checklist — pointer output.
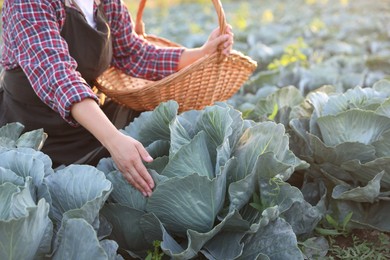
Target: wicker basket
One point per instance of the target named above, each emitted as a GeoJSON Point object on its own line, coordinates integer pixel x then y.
{"type": "Point", "coordinates": [209, 79]}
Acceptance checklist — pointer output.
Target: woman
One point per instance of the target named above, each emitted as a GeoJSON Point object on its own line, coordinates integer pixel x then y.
{"type": "Point", "coordinates": [52, 50]}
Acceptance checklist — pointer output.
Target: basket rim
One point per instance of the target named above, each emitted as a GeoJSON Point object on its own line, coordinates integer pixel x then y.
{"type": "Point", "coordinates": [178, 74]}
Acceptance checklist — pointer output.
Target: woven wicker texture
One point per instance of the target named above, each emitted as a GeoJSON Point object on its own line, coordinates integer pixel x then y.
{"type": "Point", "coordinates": [210, 79]}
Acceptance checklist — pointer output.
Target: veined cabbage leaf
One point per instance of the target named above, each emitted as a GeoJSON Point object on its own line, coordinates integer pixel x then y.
{"type": "Point", "coordinates": [11, 137]}
{"type": "Point", "coordinates": [347, 141]}
{"type": "Point", "coordinates": [210, 163]}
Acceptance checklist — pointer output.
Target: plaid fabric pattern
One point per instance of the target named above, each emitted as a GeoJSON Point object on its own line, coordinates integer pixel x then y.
{"type": "Point", "coordinates": [32, 40]}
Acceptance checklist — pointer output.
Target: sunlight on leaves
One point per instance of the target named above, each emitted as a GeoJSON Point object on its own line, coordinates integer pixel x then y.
{"type": "Point", "coordinates": [195, 28]}
{"type": "Point", "coordinates": [240, 19]}
{"type": "Point", "coordinates": [267, 17]}
{"type": "Point", "coordinates": [313, 2]}
{"type": "Point", "coordinates": [344, 2]}
{"type": "Point", "coordinates": [317, 25]}
{"type": "Point", "coordinates": [293, 53]}
{"type": "Point", "coordinates": [274, 112]}
{"type": "Point", "coordinates": [310, 2]}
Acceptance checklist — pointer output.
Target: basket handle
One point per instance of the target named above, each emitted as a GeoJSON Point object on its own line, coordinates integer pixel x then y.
{"type": "Point", "coordinates": [140, 26]}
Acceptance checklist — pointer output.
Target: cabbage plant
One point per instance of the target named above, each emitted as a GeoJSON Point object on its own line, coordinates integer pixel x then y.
{"type": "Point", "coordinates": [347, 142]}
{"type": "Point", "coordinates": [220, 188]}
{"type": "Point", "coordinates": [47, 213]}
{"type": "Point", "coordinates": [12, 136]}
{"type": "Point", "coordinates": [269, 103]}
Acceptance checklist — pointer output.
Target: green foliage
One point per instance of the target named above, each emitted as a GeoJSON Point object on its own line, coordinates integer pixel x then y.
{"type": "Point", "coordinates": [275, 185]}
{"type": "Point", "coordinates": [276, 105]}
{"type": "Point", "coordinates": [346, 141]}
{"type": "Point", "coordinates": [336, 228]}
{"type": "Point", "coordinates": [12, 136]}
{"type": "Point", "coordinates": [274, 112]}
{"type": "Point", "coordinates": [240, 18]}
{"type": "Point", "coordinates": [49, 212]}
{"type": "Point", "coordinates": [353, 162]}
{"type": "Point", "coordinates": [257, 204]}
{"type": "Point", "coordinates": [362, 249]}
{"type": "Point", "coordinates": [208, 165]}
{"type": "Point", "coordinates": [317, 25]}
{"type": "Point", "coordinates": [45, 212]}
{"type": "Point", "coordinates": [293, 54]}
{"type": "Point", "coordinates": [156, 254]}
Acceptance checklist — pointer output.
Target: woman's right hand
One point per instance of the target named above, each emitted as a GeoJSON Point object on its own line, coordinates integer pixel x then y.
{"type": "Point", "coordinates": [126, 152]}
{"type": "Point", "coordinates": [129, 154]}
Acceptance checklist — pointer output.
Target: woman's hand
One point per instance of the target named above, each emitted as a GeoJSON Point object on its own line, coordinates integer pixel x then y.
{"type": "Point", "coordinates": [126, 152]}
{"type": "Point", "coordinates": [128, 155]}
{"type": "Point", "coordinates": [215, 40]}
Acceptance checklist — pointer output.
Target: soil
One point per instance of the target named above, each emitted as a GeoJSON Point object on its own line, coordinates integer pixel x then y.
{"type": "Point", "coordinates": [363, 235]}
{"type": "Point", "coordinates": [377, 240]}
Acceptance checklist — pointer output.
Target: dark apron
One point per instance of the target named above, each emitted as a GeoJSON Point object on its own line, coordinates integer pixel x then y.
{"type": "Point", "coordinates": [92, 49]}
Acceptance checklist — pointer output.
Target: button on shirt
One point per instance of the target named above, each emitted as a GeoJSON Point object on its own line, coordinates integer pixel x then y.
{"type": "Point", "coordinates": [32, 40]}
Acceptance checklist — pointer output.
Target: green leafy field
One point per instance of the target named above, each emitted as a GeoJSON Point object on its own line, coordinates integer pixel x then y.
{"type": "Point", "coordinates": [294, 166]}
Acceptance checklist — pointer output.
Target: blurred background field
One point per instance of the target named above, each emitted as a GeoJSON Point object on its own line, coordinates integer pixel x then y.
{"type": "Point", "coordinates": [304, 43]}
{"type": "Point", "coordinates": [316, 42]}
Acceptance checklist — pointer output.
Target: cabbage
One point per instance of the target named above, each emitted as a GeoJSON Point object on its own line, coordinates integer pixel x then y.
{"type": "Point", "coordinates": [45, 212]}
{"type": "Point", "coordinates": [346, 142]}
{"type": "Point", "coordinates": [208, 167]}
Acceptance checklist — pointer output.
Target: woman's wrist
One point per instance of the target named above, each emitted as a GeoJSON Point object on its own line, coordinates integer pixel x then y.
{"type": "Point", "coordinates": [88, 114]}
{"type": "Point", "coordinates": [189, 56]}
{"type": "Point", "coordinates": [211, 46]}
{"type": "Point", "coordinates": [110, 139]}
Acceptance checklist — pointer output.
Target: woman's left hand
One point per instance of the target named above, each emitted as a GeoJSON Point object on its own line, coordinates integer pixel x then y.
{"type": "Point", "coordinates": [212, 45]}
{"type": "Point", "coordinates": [216, 41]}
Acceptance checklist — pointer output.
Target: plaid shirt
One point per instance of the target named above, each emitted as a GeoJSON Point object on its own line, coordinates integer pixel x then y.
{"type": "Point", "coordinates": [31, 40]}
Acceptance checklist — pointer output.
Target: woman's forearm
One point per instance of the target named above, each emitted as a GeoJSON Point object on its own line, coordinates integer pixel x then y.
{"type": "Point", "coordinates": [88, 114]}
{"type": "Point", "coordinates": [127, 153]}
{"type": "Point", "coordinates": [189, 56]}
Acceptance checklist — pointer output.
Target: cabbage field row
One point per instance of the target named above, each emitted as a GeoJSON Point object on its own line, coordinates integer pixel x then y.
{"type": "Point", "coordinates": [301, 152]}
